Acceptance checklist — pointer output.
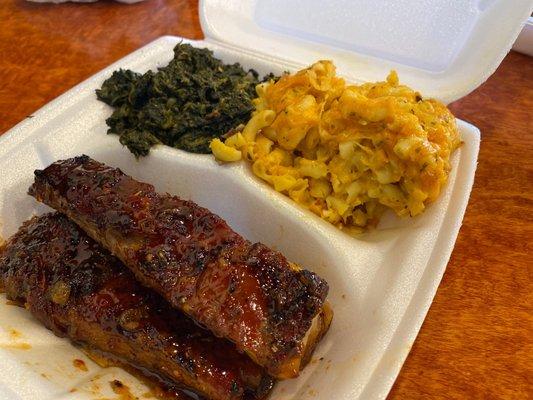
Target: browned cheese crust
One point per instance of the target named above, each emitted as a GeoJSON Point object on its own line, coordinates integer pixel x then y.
{"type": "Point", "coordinates": [241, 291]}
{"type": "Point", "coordinates": [79, 290]}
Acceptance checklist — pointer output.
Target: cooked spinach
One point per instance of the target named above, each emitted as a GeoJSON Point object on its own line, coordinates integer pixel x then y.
{"type": "Point", "coordinates": [185, 104]}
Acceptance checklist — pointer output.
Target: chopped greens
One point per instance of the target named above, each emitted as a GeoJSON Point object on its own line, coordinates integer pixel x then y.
{"type": "Point", "coordinates": [186, 104]}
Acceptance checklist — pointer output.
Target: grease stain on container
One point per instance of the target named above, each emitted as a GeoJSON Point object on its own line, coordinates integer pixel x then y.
{"type": "Point", "coordinates": [17, 346]}
{"type": "Point", "coordinates": [95, 387]}
{"type": "Point", "coordinates": [14, 344]}
{"type": "Point", "coordinates": [14, 334]}
{"type": "Point", "coordinates": [122, 390]}
{"type": "Point", "coordinates": [80, 365]}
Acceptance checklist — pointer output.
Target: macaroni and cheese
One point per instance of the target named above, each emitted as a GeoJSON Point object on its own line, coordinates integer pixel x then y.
{"type": "Point", "coordinates": [346, 152]}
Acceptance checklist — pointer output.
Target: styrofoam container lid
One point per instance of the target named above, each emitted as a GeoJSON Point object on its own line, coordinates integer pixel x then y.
{"type": "Point", "coordinates": [443, 48]}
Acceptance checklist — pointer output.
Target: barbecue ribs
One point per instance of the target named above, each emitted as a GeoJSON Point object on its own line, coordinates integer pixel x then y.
{"type": "Point", "coordinates": [245, 292]}
{"type": "Point", "coordinates": [78, 290]}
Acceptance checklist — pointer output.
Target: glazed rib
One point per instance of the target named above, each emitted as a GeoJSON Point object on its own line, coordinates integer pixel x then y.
{"type": "Point", "coordinates": [78, 290]}
{"type": "Point", "coordinates": [241, 291]}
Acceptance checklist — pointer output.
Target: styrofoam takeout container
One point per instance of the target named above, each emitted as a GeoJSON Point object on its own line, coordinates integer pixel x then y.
{"type": "Point", "coordinates": [382, 283]}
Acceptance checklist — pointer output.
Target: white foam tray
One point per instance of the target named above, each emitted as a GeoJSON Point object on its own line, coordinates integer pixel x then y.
{"type": "Point", "coordinates": [382, 283]}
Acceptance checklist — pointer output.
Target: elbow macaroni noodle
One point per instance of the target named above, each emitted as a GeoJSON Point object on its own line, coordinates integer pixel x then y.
{"type": "Point", "coordinates": [347, 153]}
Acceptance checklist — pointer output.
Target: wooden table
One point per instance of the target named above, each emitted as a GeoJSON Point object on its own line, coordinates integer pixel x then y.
{"type": "Point", "coordinates": [476, 340]}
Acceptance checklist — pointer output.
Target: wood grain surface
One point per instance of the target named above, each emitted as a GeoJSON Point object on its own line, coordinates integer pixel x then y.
{"type": "Point", "coordinates": [476, 342]}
